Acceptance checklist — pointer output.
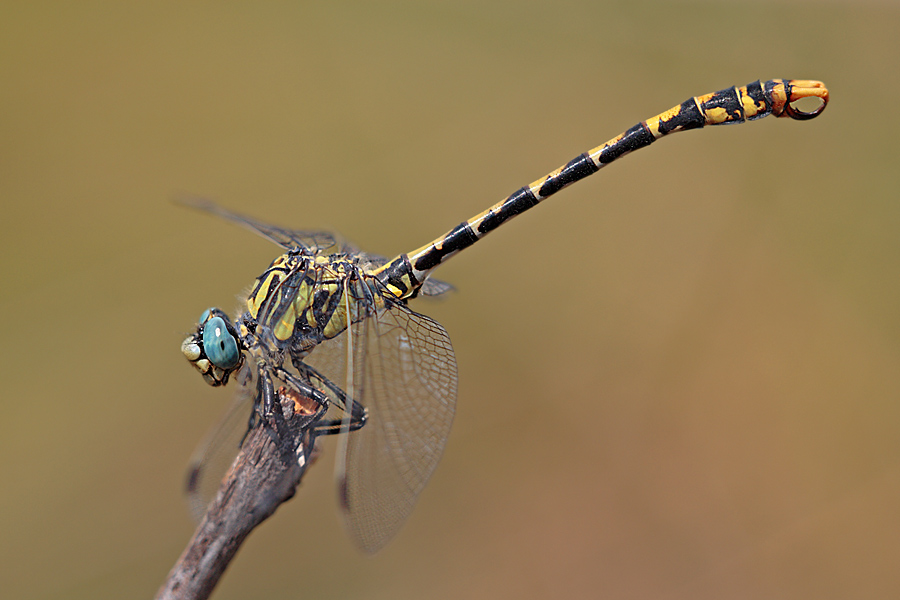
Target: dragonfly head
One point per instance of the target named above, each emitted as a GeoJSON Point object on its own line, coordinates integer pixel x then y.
{"type": "Point", "coordinates": [215, 348]}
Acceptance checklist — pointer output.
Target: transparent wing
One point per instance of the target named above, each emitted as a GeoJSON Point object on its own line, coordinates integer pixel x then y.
{"type": "Point", "coordinates": [404, 373]}
{"type": "Point", "coordinates": [216, 453]}
{"type": "Point", "coordinates": [435, 287]}
{"type": "Point", "coordinates": [289, 239]}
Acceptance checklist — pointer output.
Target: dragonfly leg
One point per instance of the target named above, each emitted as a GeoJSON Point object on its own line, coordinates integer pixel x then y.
{"type": "Point", "coordinates": [358, 417]}
{"type": "Point", "coordinates": [304, 391]}
{"type": "Point", "coordinates": [309, 373]}
{"type": "Point", "coordinates": [265, 392]}
{"type": "Point", "coordinates": [309, 404]}
{"type": "Point", "coordinates": [358, 413]}
{"type": "Point", "coordinates": [265, 399]}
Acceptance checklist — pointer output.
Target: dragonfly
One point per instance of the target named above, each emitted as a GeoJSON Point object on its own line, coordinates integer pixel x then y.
{"type": "Point", "coordinates": [330, 326]}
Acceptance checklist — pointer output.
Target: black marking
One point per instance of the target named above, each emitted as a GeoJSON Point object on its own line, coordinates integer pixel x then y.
{"type": "Point", "coordinates": [324, 315]}
{"type": "Point", "coordinates": [277, 273]}
{"type": "Point", "coordinates": [634, 139]}
{"type": "Point", "coordinates": [279, 269]}
{"type": "Point", "coordinates": [459, 238]}
{"type": "Point", "coordinates": [284, 297]}
{"type": "Point", "coordinates": [256, 288]}
{"type": "Point", "coordinates": [577, 168]}
{"type": "Point", "coordinates": [393, 275]}
{"type": "Point", "coordinates": [319, 299]}
{"type": "Point", "coordinates": [762, 100]}
{"type": "Point", "coordinates": [730, 100]}
{"type": "Point", "coordinates": [517, 202]}
{"type": "Point", "coordinates": [689, 117]}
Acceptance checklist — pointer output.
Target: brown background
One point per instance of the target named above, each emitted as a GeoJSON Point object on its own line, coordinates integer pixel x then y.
{"type": "Point", "coordinates": [678, 379]}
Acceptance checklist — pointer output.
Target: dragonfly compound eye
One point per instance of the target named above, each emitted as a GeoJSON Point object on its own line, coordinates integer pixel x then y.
{"type": "Point", "coordinates": [219, 345]}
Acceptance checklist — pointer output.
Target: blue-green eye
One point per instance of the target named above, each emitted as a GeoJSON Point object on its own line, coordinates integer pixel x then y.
{"type": "Point", "coordinates": [204, 316]}
{"type": "Point", "coordinates": [220, 347]}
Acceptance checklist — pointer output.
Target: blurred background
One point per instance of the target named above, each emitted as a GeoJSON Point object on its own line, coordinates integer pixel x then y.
{"type": "Point", "coordinates": [678, 379]}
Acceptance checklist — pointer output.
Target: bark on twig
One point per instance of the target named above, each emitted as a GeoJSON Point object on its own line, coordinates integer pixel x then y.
{"type": "Point", "coordinates": [265, 473]}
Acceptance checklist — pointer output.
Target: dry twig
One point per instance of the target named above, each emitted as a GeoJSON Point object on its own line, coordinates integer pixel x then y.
{"type": "Point", "coordinates": [265, 473]}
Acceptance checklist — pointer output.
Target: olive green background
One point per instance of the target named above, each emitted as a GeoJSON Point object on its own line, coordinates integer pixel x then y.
{"type": "Point", "coordinates": [678, 379]}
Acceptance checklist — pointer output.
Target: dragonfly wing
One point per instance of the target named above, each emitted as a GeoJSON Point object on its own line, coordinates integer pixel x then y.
{"type": "Point", "coordinates": [404, 373]}
{"type": "Point", "coordinates": [435, 287]}
{"type": "Point", "coordinates": [216, 453]}
{"type": "Point", "coordinates": [289, 239]}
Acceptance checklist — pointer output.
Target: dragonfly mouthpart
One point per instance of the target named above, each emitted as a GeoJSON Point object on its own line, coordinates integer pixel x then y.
{"type": "Point", "coordinates": [214, 348]}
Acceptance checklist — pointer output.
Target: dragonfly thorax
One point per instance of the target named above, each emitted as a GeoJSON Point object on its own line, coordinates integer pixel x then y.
{"type": "Point", "coordinates": [303, 299]}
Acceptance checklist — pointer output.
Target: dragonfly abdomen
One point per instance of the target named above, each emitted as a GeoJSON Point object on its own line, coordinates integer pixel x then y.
{"type": "Point", "coordinates": [406, 273]}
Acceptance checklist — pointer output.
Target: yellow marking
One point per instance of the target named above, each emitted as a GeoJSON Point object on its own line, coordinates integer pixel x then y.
{"type": "Point", "coordinates": [751, 108]}
{"type": "Point", "coordinates": [653, 123]}
{"type": "Point", "coordinates": [338, 321]}
{"type": "Point", "coordinates": [284, 328]}
{"type": "Point", "coordinates": [331, 288]}
{"type": "Point", "coordinates": [255, 300]}
{"type": "Point", "coordinates": [304, 293]}
{"type": "Point", "coordinates": [395, 290]}
{"type": "Point", "coordinates": [407, 281]}
{"type": "Point", "coordinates": [303, 299]}
{"type": "Point", "coordinates": [779, 97]}
{"type": "Point", "coordinates": [716, 115]}
{"type": "Point", "coordinates": [594, 153]}
{"type": "Point", "coordinates": [310, 316]}
{"type": "Point", "coordinates": [398, 292]}
{"type": "Point", "coordinates": [535, 187]}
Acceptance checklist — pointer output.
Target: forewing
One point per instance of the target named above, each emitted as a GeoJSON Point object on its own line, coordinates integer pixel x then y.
{"type": "Point", "coordinates": [405, 375]}
{"type": "Point", "coordinates": [289, 239]}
